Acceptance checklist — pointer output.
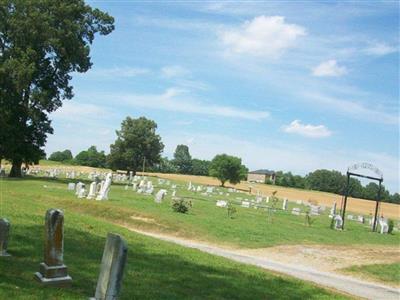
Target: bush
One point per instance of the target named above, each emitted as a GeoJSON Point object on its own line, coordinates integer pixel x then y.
{"type": "Point", "coordinates": [181, 206]}
{"type": "Point", "coordinates": [231, 210]}
{"type": "Point", "coordinates": [390, 225]}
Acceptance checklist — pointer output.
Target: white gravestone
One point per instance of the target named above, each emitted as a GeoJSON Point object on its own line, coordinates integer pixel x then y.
{"type": "Point", "coordinates": [92, 190]}
{"type": "Point", "coordinates": [160, 196]}
{"type": "Point", "coordinates": [222, 203]}
{"type": "Point", "coordinates": [103, 195]}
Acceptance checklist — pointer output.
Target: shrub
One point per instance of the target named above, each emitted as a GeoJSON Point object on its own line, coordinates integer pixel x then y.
{"type": "Point", "coordinates": [390, 225]}
{"type": "Point", "coordinates": [231, 210]}
{"type": "Point", "coordinates": [181, 205]}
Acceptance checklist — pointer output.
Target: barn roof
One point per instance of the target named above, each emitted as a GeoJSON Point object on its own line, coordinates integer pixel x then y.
{"type": "Point", "coordinates": [263, 172]}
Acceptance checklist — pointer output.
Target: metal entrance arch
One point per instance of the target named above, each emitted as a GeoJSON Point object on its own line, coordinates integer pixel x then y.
{"type": "Point", "coordinates": [351, 172]}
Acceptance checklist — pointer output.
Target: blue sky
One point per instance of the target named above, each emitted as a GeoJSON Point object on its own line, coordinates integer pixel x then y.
{"type": "Point", "coordinates": [292, 86]}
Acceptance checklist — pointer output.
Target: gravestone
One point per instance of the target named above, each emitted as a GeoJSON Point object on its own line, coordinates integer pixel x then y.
{"type": "Point", "coordinates": [173, 193]}
{"type": "Point", "coordinates": [383, 225]}
{"type": "Point", "coordinates": [246, 204]}
{"type": "Point", "coordinates": [338, 222]}
{"type": "Point", "coordinates": [112, 268]}
{"type": "Point", "coordinates": [78, 187]}
{"type": "Point", "coordinates": [92, 190]}
{"type": "Point", "coordinates": [53, 271]}
{"type": "Point", "coordinates": [285, 204]}
{"type": "Point", "coordinates": [160, 196]}
{"type": "Point", "coordinates": [296, 211]}
{"type": "Point", "coordinates": [4, 236]}
{"type": "Point", "coordinates": [105, 188]}
{"type": "Point", "coordinates": [71, 186]}
{"type": "Point", "coordinates": [82, 192]}
{"type": "Point", "coordinates": [222, 203]}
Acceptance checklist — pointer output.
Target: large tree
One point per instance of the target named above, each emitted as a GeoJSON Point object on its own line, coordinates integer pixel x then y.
{"type": "Point", "coordinates": [182, 159]}
{"type": "Point", "coordinates": [137, 143]}
{"type": "Point", "coordinates": [41, 43]}
{"type": "Point", "coordinates": [227, 168]}
{"type": "Point", "coordinates": [61, 155]}
{"type": "Point", "coordinates": [91, 158]}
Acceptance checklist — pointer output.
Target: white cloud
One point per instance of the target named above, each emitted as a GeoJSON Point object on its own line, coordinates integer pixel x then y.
{"type": "Point", "coordinates": [380, 49]}
{"type": "Point", "coordinates": [174, 71]}
{"type": "Point", "coordinates": [77, 111]}
{"type": "Point", "coordinates": [329, 68]}
{"type": "Point", "coordinates": [307, 130]}
{"type": "Point", "coordinates": [263, 36]}
{"type": "Point", "coordinates": [116, 72]}
{"type": "Point", "coordinates": [354, 109]}
{"type": "Point", "coordinates": [179, 100]}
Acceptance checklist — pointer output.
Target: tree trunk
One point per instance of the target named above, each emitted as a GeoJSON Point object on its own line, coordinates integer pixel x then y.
{"type": "Point", "coordinates": [16, 169]}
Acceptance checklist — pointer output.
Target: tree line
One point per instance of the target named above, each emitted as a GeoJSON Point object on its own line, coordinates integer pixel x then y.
{"type": "Point", "coordinates": [139, 147]}
{"type": "Point", "coordinates": [334, 182]}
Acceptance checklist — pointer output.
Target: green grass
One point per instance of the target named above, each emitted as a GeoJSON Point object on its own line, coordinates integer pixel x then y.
{"type": "Point", "coordinates": [155, 269]}
{"type": "Point", "coordinates": [382, 272]}
{"type": "Point", "coordinates": [250, 228]}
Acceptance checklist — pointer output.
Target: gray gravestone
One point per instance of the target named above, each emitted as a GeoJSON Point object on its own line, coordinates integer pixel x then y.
{"type": "Point", "coordinates": [4, 235]}
{"type": "Point", "coordinates": [53, 271]}
{"type": "Point", "coordinates": [112, 268]}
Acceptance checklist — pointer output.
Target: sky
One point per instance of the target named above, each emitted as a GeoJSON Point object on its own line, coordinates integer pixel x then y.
{"type": "Point", "coordinates": [292, 86]}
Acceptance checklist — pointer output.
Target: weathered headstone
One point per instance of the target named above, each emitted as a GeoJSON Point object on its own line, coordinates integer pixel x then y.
{"type": "Point", "coordinates": [285, 204]}
{"type": "Point", "coordinates": [112, 268]}
{"type": "Point", "coordinates": [160, 196]}
{"type": "Point", "coordinates": [338, 222]}
{"type": "Point", "coordinates": [53, 271]}
{"type": "Point", "coordinates": [296, 211]}
{"type": "Point", "coordinates": [222, 203]}
{"type": "Point", "coordinates": [71, 186]}
{"type": "Point", "coordinates": [105, 188]}
{"type": "Point", "coordinates": [4, 236]}
{"type": "Point", "coordinates": [92, 190]}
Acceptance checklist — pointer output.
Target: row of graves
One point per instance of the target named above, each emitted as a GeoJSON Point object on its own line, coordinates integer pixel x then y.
{"type": "Point", "coordinates": [54, 272]}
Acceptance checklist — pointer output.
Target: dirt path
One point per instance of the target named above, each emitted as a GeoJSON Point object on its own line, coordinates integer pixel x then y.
{"type": "Point", "coordinates": [258, 257]}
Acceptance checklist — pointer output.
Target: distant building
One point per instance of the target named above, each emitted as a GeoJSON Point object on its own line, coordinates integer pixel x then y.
{"type": "Point", "coordinates": [261, 176]}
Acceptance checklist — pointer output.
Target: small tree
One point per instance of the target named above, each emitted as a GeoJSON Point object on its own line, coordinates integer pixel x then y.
{"type": "Point", "coordinates": [228, 168]}
{"type": "Point", "coordinates": [182, 159]}
{"type": "Point", "coordinates": [231, 210]}
{"type": "Point", "coordinates": [181, 205]}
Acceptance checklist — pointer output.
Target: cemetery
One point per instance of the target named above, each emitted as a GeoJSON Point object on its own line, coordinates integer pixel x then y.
{"type": "Point", "coordinates": [96, 204]}
{"type": "Point", "coordinates": [100, 198]}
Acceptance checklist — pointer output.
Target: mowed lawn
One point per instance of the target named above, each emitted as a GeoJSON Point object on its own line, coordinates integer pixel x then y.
{"type": "Point", "coordinates": [155, 269]}
{"type": "Point", "coordinates": [381, 272]}
{"type": "Point", "coordinates": [249, 228]}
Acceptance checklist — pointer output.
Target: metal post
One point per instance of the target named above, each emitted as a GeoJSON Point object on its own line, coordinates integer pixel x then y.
{"type": "Point", "coordinates": [377, 206]}
{"type": "Point", "coordinates": [345, 199]}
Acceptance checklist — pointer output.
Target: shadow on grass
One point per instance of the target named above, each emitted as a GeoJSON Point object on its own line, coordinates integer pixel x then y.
{"type": "Point", "coordinates": [155, 270]}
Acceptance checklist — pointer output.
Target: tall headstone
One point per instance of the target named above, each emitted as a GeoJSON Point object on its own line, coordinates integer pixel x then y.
{"type": "Point", "coordinates": [112, 268]}
{"type": "Point", "coordinates": [4, 236]}
{"type": "Point", "coordinates": [285, 204]}
{"type": "Point", "coordinates": [333, 209]}
{"type": "Point", "coordinates": [105, 188]}
{"type": "Point", "coordinates": [92, 190]}
{"type": "Point", "coordinates": [160, 196]}
{"type": "Point", "coordinates": [53, 271]}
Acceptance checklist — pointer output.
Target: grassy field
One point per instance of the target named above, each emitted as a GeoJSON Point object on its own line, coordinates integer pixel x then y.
{"type": "Point", "coordinates": [250, 228]}
{"type": "Point", "coordinates": [354, 205]}
{"type": "Point", "coordinates": [382, 272]}
{"type": "Point", "coordinates": [155, 269]}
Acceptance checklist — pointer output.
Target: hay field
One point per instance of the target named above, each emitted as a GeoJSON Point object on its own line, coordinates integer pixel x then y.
{"type": "Point", "coordinates": [354, 205]}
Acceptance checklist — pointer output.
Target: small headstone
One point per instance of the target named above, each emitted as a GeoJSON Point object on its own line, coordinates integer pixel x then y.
{"type": "Point", "coordinates": [71, 186]}
{"type": "Point", "coordinates": [296, 211]}
{"type": "Point", "coordinates": [338, 222]}
{"type": "Point", "coordinates": [246, 204]}
{"type": "Point", "coordinates": [160, 196]}
{"type": "Point", "coordinates": [4, 236]}
{"type": "Point", "coordinates": [53, 271]}
{"type": "Point", "coordinates": [112, 268]}
{"type": "Point", "coordinates": [222, 203]}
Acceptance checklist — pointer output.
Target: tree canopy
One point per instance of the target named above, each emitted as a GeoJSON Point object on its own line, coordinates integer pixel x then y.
{"type": "Point", "coordinates": [136, 142]}
{"type": "Point", "coordinates": [65, 155]}
{"type": "Point", "coordinates": [41, 43]}
{"type": "Point", "coordinates": [182, 159]}
{"type": "Point", "coordinates": [91, 158]}
{"type": "Point", "coordinates": [227, 168]}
